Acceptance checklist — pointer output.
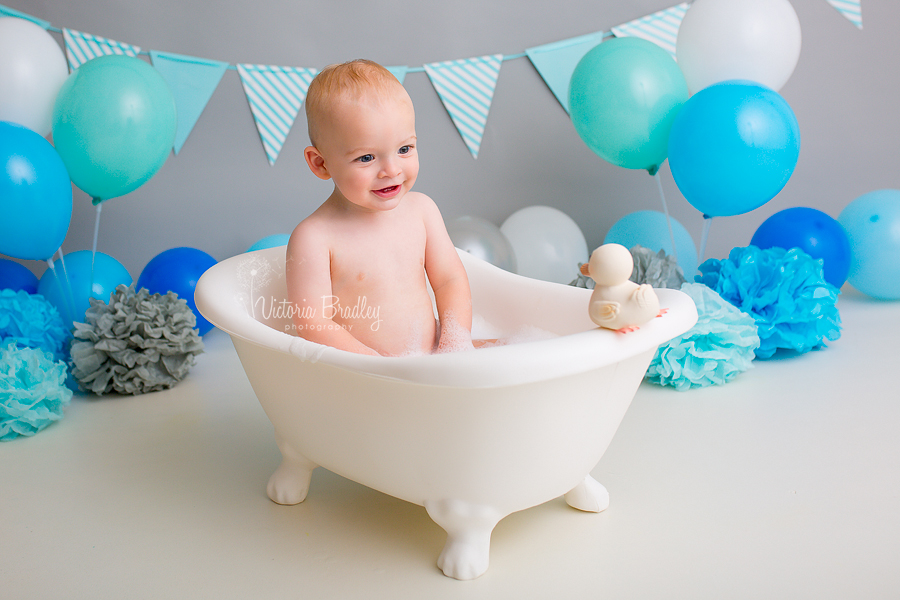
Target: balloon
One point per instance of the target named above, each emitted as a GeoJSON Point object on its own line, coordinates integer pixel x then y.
{"type": "Point", "coordinates": [648, 228]}
{"type": "Point", "coordinates": [482, 239]}
{"type": "Point", "coordinates": [113, 125]}
{"type": "Point", "coordinates": [35, 195]}
{"type": "Point", "coordinates": [757, 40]}
{"type": "Point", "coordinates": [546, 242]}
{"type": "Point", "coordinates": [69, 287]}
{"type": "Point", "coordinates": [14, 276]}
{"type": "Point", "coordinates": [812, 231]}
{"type": "Point", "coordinates": [177, 270]}
{"type": "Point", "coordinates": [733, 147]}
{"type": "Point", "coordinates": [623, 96]}
{"type": "Point", "coordinates": [271, 241]}
{"type": "Point", "coordinates": [32, 69]}
{"type": "Point", "coordinates": [872, 222]}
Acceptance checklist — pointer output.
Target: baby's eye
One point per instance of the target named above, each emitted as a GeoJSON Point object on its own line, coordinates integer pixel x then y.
{"type": "Point", "coordinates": [405, 149]}
{"type": "Point", "coordinates": [365, 158]}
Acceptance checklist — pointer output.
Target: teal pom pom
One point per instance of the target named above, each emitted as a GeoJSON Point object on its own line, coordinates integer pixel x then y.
{"type": "Point", "coordinates": [713, 351]}
{"type": "Point", "coordinates": [33, 391]}
{"type": "Point", "coordinates": [783, 290]}
{"type": "Point", "coordinates": [30, 320]}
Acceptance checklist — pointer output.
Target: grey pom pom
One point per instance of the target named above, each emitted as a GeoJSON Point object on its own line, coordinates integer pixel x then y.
{"type": "Point", "coordinates": [135, 344]}
{"type": "Point", "coordinates": [656, 269]}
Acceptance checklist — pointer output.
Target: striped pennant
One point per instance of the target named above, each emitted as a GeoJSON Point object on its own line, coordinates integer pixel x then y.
{"type": "Point", "coordinates": [661, 27]}
{"type": "Point", "coordinates": [557, 61]}
{"type": "Point", "coordinates": [5, 11]}
{"type": "Point", "coordinates": [275, 95]}
{"type": "Point", "coordinates": [466, 87]}
{"type": "Point", "coordinates": [82, 47]}
{"type": "Point", "coordinates": [851, 9]}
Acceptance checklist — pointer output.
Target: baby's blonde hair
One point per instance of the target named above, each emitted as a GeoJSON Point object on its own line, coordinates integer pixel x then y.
{"type": "Point", "coordinates": [354, 79]}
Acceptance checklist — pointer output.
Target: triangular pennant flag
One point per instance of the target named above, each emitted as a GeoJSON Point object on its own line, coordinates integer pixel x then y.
{"type": "Point", "coordinates": [557, 61]}
{"type": "Point", "coordinates": [398, 72]}
{"type": "Point", "coordinates": [192, 81]}
{"type": "Point", "coordinates": [82, 47]}
{"type": "Point", "coordinates": [661, 27]}
{"type": "Point", "coordinates": [466, 88]}
{"type": "Point", "coordinates": [851, 9]}
{"type": "Point", "coordinates": [5, 11]}
{"type": "Point", "coordinates": [275, 95]}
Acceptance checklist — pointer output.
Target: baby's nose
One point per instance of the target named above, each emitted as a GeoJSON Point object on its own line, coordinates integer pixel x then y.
{"type": "Point", "coordinates": [390, 168]}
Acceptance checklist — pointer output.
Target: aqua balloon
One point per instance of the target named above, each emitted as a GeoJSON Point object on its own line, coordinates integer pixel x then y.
{"type": "Point", "coordinates": [178, 270]}
{"type": "Point", "coordinates": [270, 241]}
{"type": "Point", "coordinates": [623, 97]}
{"type": "Point", "coordinates": [35, 195]}
{"type": "Point", "coordinates": [872, 223]}
{"type": "Point", "coordinates": [649, 228]}
{"type": "Point", "coordinates": [14, 276]}
{"type": "Point", "coordinates": [733, 147]}
{"type": "Point", "coordinates": [814, 232]}
{"type": "Point", "coordinates": [73, 281]}
{"type": "Point", "coordinates": [113, 125]}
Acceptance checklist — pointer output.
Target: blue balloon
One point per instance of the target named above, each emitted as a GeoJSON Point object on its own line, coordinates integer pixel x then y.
{"type": "Point", "coordinates": [35, 195]}
{"type": "Point", "coordinates": [271, 241]}
{"type": "Point", "coordinates": [872, 223]}
{"type": "Point", "coordinates": [733, 147]}
{"type": "Point", "coordinates": [14, 276]}
{"type": "Point", "coordinates": [178, 270]}
{"type": "Point", "coordinates": [648, 228]}
{"type": "Point", "coordinates": [812, 231]}
{"type": "Point", "coordinates": [68, 285]}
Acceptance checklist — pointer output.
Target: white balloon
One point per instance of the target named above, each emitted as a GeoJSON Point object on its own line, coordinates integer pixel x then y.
{"type": "Point", "coordinates": [482, 239]}
{"type": "Point", "coordinates": [758, 40]}
{"type": "Point", "coordinates": [32, 69]}
{"type": "Point", "coordinates": [547, 243]}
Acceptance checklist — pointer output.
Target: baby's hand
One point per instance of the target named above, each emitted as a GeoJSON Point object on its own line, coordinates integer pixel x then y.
{"type": "Point", "coordinates": [454, 337]}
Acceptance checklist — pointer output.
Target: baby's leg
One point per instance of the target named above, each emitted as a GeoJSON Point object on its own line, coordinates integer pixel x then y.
{"type": "Point", "coordinates": [483, 343]}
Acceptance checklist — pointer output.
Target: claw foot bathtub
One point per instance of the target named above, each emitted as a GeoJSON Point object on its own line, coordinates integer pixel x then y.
{"type": "Point", "coordinates": [471, 436]}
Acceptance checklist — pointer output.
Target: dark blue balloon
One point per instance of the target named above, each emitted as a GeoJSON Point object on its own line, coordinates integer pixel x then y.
{"type": "Point", "coordinates": [178, 270]}
{"type": "Point", "coordinates": [14, 276]}
{"type": "Point", "coordinates": [812, 231]}
{"type": "Point", "coordinates": [733, 147]}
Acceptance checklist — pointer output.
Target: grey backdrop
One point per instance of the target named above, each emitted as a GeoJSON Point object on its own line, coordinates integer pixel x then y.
{"type": "Point", "coordinates": [219, 193]}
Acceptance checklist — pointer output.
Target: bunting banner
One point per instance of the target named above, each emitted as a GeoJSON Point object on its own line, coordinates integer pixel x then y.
{"type": "Point", "coordinates": [275, 95]}
{"type": "Point", "coordinates": [557, 61]}
{"type": "Point", "coordinates": [661, 27]}
{"type": "Point", "coordinates": [82, 47]}
{"type": "Point", "coordinates": [851, 9]}
{"type": "Point", "coordinates": [192, 81]}
{"type": "Point", "coordinates": [398, 72]}
{"type": "Point", "coordinates": [466, 88]}
{"type": "Point", "coordinates": [11, 12]}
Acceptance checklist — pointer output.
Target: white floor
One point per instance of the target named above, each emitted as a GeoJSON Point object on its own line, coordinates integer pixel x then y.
{"type": "Point", "coordinates": [784, 483]}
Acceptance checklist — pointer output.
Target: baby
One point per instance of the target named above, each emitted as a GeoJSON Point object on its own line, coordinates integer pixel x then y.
{"type": "Point", "coordinates": [356, 266]}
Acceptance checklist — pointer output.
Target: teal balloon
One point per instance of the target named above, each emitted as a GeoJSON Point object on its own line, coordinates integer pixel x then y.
{"type": "Point", "coordinates": [872, 223]}
{"type": "Point", "coordinates": [649, 228]}
{"type": "Point", "coordinates": [70, 287]}
{"type": "Point", "coordinates": [35, 195]}
{"type": "Point", "coordinates": [270, 241]}
{"type": "Point", "coordinates": [113, 125]}
{"type": "Point", "coordinates": [623, 97]}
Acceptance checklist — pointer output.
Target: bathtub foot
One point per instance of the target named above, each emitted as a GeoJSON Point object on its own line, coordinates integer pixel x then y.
{"type": "Point", "coordinates": [467, 551]}
{"type": "Point", "coordinates": [589, 496]}
{"type": "Point", "coordinates": [289, 483]}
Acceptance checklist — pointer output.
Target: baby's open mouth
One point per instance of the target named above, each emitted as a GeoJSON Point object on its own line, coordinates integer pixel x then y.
{"type": "Point", "coordinates": [388, 191]}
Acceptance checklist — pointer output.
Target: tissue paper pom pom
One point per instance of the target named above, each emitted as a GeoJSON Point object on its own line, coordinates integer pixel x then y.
{"type": "Point", "coordinates": [656, 269]}
{"type": "Point", "coordinates": [33, 391]}
{"type": "Point", "coordinates": [783, 290]}
{"type": "Point", "coordinates": [713, 351]}
{"type": "Point", "coordinates": [137, 343]}
{"type": "Point", "coordinates": [30, 320]}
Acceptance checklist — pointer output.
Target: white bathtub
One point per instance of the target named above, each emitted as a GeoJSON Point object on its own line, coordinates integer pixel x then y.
{"type": "Point", "coordinates": [471, 436]}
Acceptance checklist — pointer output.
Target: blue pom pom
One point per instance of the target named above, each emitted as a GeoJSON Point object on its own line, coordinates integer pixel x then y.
{"type": "Point", "coordinates": [783, 290]}
{"type": "Point", "coordinates": [30, 320]}
{"type": "Point", "coordinates": [33, 391]}
{"type": "Point", "coordinates": [713, 351]}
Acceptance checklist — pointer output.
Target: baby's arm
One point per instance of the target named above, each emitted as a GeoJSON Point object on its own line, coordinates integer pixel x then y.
{"type": "Point", "coordinates": [448, 280]}
{"type": "Point", "coordinates": [308, 275]}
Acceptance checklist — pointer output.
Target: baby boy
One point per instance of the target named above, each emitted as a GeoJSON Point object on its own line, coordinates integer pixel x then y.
{"type": "Point", "coordinates": [356, 267]}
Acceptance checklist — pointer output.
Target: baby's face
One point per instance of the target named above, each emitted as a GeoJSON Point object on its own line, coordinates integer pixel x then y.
{"type": "Point", "coordinates": [369, 147]}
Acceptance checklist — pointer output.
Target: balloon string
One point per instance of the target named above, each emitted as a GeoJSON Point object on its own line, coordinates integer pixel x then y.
{"type": "Point", "coordinates": [707, 221]}
{"type": "Point", "coordinates": [62, 292]}
{"type": "Point", "coordinates": [94, 247]}
{"type": "Point", "coordinates": [662, 197]}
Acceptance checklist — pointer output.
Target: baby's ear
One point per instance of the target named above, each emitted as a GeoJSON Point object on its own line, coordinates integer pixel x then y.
{"type": "Point", "coordinates": [316, 162]}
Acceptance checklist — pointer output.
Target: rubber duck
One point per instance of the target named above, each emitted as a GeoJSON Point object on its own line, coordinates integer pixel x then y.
{"type": "Point", "coordinates": [618, 303]}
